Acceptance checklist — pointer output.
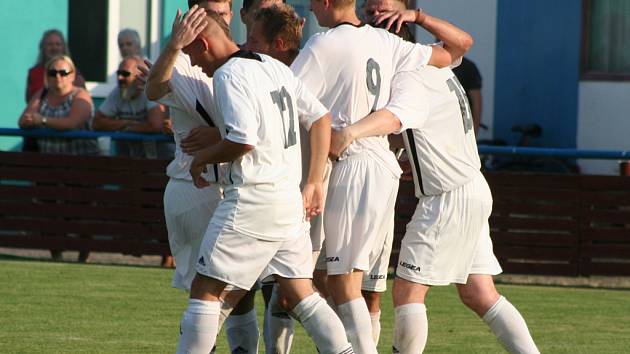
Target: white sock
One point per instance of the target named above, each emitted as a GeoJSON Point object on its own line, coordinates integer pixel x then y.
{"type": "Point", "coordinates": [226, 309]}
{"type": "Point", "coordinates": [410, 328]}
{"type": "Point", "coordinates": [509, 327]}
{"type": "Point", "coordinates": [375, 318]}
{"type": "Point", "coordinates": [280, 327]}
{"type": "Point", "coordinates": [323, 325]}
{"type": "Point", "coordinates": [356, 320]}
{"type": "Point", "coordinates": [199, 327]}
{"type": "Point", "coordinates": [242, 332]}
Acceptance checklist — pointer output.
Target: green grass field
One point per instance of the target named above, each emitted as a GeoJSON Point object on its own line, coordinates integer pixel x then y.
{"type": "Point", "coordinates": [72, 308]}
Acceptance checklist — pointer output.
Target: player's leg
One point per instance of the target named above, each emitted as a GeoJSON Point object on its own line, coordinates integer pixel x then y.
{"type": "Point", "coordinates": [410, 316]}
{"type": "Point", "coordinates": [355, 212]}
{"type": "Point", "coordinates": [375, 280]}
{"type": "Point", "coordinates": [241, 327]}
{"type": "Point", "coordinates": [200, 323]}
{"type": "Point", "coordinates": [480, 295]}
{"type": "Point", "coordinates": [280, 325]}
{"type": "Point", "coordinates": [292, 267]}
{"type": "Point", "coordinates": [225, 257]}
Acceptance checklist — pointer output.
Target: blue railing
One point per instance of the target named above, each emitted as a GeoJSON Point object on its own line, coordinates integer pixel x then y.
{"type": "Point", "coordinates": [555, 152]}
{"type": "Point", "coordinates": [83, 134]}
{"type": "Point", "coordinates": [483, 149]}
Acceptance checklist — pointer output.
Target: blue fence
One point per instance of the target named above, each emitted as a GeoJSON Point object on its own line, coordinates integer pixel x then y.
{"type": "Point", "coordinates": [483, 149]}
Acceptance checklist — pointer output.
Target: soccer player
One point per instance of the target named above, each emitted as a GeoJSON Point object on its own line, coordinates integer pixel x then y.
{"type": "Point", "coordinates": [258, 228]}
{"type": "Point", "coordinates": [447, 240]}
{"type": "Point", "coordinates": [350, 68]}
{"type": "Point", "coordinates": [188, 93]}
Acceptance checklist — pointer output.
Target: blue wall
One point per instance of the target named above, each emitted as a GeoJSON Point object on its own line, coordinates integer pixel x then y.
{"type": "Point", "coordinates": [537, 76]}
{"type": "Point", "coordinates": [22, 24]}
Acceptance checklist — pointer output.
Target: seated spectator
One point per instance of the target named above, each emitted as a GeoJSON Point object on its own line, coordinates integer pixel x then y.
{"type": "Point", "coordinates": [129, 43]}
{"type": "Point", "coordinates": [51, 44]}
{"type": "Point", "coordinates": [128, 109]}
{"type": "Point", "coordinates": [61, 105]}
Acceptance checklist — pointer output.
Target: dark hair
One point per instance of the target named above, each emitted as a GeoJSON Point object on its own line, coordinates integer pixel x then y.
{"type": "Point", "coordinates": [41, 57]}
{"type": "Point", "coordinates": [220, 21]}
{"type": "Point", "coordinates": [192, 3]}
{"type": "Point", "coordinates": [281, 20]}
{"type": "Point", "coordinates": [405, 31]}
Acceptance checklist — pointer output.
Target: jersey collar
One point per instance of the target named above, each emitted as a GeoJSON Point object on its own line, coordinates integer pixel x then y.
{"type": "Point", "coordinates": [350, 24]}
{"type": "Point", "coordinates": [245, 54]}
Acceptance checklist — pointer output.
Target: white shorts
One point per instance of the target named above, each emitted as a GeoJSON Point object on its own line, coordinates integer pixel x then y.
{"type": "Point", "coordinates": [187, 210]}
{"type": "Point", "coordinates": [239, 260]}
{"type": "Point", "coordinates": [359, 213]}
{"type": "Point", "coordinates": [448, 237]}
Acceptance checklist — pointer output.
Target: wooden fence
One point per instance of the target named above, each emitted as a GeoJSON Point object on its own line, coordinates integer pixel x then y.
{"type": "Point", "coordinates": [541, 224]}
{"type": "Point", "coordinates": [552, 224]}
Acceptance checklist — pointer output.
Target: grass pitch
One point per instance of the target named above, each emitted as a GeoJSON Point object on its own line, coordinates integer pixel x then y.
{"type": "Point", "coordinates": [73, 308]}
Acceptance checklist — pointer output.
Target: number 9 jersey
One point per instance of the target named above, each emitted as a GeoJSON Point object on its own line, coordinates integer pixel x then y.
{"type": "Point", "coordinates": [437, 128]}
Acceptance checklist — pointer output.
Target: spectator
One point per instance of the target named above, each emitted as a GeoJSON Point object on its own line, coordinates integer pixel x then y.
{"type": "Point", "coordinates": [468, 75]}
{"type": "Point", "coordinates": [51, 44]}
{"type": "Point", "coordinates": [61, 105]}
{"type": "Point", "coordinates": [129, 43]}
{"type": "Point", "coordinates": [127, 108]}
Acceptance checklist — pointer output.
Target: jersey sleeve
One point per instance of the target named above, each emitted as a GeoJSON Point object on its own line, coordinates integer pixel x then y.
{"type": "Point", "coordinates": [409, 56]}
{"type": "Point", "coordinates": [108, 107]}
{"type": "Point", "coordinates": [307, 68]}
{"type": "Point", "coordinates": [309, 108]}
{"type": "Point", "coordinates": [235, 104]}
{"type": "Point", "coordinates": [409, 101]}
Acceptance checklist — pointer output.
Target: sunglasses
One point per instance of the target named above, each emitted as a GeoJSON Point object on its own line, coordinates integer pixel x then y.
{"type": "Point", "coordinates": [123, 73]}
{"type": "Point", "coordinates": [62, 72]}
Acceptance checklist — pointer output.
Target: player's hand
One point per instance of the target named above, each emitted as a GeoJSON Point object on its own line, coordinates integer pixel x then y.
{"type": "Point", "coordinates": [196, 169]}
{"type": "Point", "coordinates": [187, 27]}
{"type": "Point", "coordinates": [200, 138]}
{"type": "Point", "coordinates": [339, 142]}
{"type": "Point", "coordinates": [312, 199]}
{"type": "Point", "coordinates": [167, 126]}
{"type": "Point", "coordinates": [144, 71]}
{"type": "Point", "coordinates": [395, 17]}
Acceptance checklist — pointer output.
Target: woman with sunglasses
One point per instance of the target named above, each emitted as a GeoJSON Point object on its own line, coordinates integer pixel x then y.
{"type": "Point", "coordinates": [61, 106]}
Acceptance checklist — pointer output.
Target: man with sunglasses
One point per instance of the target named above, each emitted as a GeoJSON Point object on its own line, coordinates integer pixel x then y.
{"type": "Point", "coordinates": [127, 108]}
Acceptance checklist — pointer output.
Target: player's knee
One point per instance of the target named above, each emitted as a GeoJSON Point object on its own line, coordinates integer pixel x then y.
{"type": "Point", "coordinates": [476, 300]}
{"type": "Point", "coordinates": [373, 300]}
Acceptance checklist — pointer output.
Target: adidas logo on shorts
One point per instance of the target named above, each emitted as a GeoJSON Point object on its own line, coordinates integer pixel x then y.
{"type": "Point", "coordinates": [409, 266]}
{"type": "Point", "coordinates": [332, 259]}
{"type": "Point", "coordinates": [202, 261]}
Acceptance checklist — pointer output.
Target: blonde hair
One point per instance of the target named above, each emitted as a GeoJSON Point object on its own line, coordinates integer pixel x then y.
{"type": "Point", "coordinates": [55, 59]}
{"type": "Point", "coordinates": [281, 20]}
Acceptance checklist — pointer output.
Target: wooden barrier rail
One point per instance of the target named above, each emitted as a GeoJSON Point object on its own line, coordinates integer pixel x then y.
{"type": "Point", "coordinates": [541, 224]}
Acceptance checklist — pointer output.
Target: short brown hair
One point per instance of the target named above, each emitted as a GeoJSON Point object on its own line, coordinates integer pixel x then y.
{"type": "Point", "coordinates": [192, 3]}
{"type": "Point", "coordinates": [281, 20]}
{"type": "Point", "coordinates": [220, 21]}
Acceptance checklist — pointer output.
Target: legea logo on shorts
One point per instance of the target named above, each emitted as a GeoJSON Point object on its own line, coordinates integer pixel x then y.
{"type": "Point", "coordinates": [202, 261]}
{"type": "Point", "coordinates": [332, 259]}
{"type": "Point", "coordinates": [378, 276]}
{"type": "Point", "coordinates": [409, 266]}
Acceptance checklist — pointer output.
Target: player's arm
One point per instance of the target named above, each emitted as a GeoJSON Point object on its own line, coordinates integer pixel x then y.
{"type": "Point", "coordinates": [319, 141]}
{"type": "Point", "coordinates": [456, 41]}
{"type": "Point", "coordinates": [223, 151]}
{"type": "Point", "coordinates": [185, 30]}
{"type": "Point", "coordinates": [379, 123]}
{"type": "Point", "coordinates": [475, 105]}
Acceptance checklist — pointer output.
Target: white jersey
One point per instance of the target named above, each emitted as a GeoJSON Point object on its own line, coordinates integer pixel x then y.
{"type": "Point", "coordinates": [350, 68]}
{"type": "Point", "coordinates": [437, 128]}
{"type": "Point", "coordinates": [261, 103]}
{"type": "Point", "coordinates": [189, 102]}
